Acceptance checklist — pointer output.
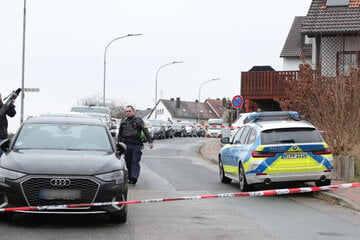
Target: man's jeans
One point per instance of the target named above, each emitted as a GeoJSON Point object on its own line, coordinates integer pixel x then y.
{"type": "Point", "coordinates": [133, 156]}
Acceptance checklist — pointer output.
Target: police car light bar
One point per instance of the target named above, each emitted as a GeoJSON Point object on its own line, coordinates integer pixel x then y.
{"type": "Point", "coordinates": [276, 115]}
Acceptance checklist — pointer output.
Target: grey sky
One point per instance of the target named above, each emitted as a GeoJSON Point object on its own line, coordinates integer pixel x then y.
{"type": "Point", "coordinates": [65, 43]}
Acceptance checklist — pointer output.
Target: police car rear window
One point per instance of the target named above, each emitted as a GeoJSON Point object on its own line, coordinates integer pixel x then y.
{"type": "Point", "coordinates": [290, 135]}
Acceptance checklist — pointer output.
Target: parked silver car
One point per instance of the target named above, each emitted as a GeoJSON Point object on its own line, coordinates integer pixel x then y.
{"type": "Point", "coordinates": [189, 128]}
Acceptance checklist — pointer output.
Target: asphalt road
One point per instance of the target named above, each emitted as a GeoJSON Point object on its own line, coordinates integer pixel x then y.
{"type": "Point", "coordinates": [173, 169]}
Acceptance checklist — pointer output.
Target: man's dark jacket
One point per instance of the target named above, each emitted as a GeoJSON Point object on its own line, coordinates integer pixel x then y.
{"type": "Point", "coordinates": [3, 121]}
{"type": "Point", "coordinates": [130, 131]}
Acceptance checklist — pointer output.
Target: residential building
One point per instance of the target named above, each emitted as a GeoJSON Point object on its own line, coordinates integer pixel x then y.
{"type": "Point", "coordinates": [177, 110]}
{"type": "Point", "coordinates": [297, 47]}
{"type": "Point", "coordinates": [333, 29]}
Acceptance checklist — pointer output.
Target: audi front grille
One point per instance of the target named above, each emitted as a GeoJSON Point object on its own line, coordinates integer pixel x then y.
{"type": "Point", "coordinates": [33, 187]}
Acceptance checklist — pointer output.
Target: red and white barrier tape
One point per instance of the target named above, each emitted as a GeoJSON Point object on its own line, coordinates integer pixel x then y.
{"type": "Point", "coordinates": [206, 126]}
{"type": "Point", "coordinates": [223, 195]}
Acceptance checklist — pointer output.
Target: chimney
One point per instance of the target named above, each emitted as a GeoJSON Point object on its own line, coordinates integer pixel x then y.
{"type": "Point", "coordinates": [224, 102]}
{"type": "Point", "coordinates": [177, 102]}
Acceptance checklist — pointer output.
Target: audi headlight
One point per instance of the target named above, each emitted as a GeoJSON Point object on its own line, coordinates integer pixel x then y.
{"type": "Point", "coordinates": [117, 176]}
{"type": "Point", "coordinates": [9, 174]}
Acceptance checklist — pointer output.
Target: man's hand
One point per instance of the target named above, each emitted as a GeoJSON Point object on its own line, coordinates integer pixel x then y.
{"type": "Point", "coordinates": [151, 145]}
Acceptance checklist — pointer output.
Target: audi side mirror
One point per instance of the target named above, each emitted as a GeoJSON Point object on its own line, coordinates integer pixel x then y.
{"type": "Point", "coordinates": [121, 147]}
{"type": "Point", "coordinates": [225, 140]}
{"type": "Point", "coordinates": [5, 145]}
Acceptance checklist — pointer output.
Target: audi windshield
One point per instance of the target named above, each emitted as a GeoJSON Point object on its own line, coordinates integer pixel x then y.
{"type": "Point", "coordinates": [63, 137]}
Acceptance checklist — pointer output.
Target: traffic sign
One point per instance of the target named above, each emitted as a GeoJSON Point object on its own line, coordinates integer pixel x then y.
{"type": "Point", "coordinates": [237, 101]}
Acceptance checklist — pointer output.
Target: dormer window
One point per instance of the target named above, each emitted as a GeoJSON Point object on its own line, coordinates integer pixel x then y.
{"type": "Point", "coordinates": [337, 3]}
{"type": "Point", "coordinates": [307, 40]}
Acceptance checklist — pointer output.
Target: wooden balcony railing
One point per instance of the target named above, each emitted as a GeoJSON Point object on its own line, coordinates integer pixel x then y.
{"type": "Point", "coordinates": [261, 85]}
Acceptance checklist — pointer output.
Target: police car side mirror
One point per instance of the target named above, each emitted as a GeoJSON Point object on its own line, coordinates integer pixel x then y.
{"type": "Point", "coordinates": [121, 148]}
{"type": "Point", "coordinates": [5, 145]}
{"type": "Point", "coordinates": [225, 140]}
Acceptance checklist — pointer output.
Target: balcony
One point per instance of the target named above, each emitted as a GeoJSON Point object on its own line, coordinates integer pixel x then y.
{"type": "Point", "coordinates": [265, 85]}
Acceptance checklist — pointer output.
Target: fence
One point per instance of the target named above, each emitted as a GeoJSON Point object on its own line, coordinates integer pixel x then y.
{"type": "Point", "coordinates": [344, 167]}
{"type": "Point", "coordinates": [265, 84]}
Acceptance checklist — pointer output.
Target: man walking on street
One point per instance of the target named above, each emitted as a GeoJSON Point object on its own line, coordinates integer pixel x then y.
{"type": "Point", "coordinates": [3, 120]}
{"type": "Point", "coordinates": [130, 134]}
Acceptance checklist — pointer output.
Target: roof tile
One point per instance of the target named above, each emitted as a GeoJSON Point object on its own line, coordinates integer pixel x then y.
{"type": "Point", "coordinates": [354, 4]}
{"type": "Point", "coordinates": [332, 20]}
{"type": "Point", "coordinates": [294, 46]}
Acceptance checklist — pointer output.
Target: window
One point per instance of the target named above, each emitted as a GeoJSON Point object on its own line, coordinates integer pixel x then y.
{"type": "Point", "coordinates": [307, 40]}
{"type": "Point", "coordinates": [244, 135]}
{"type": "Point", "coordinates": [290, 135]}
{"type": "Point", "coordinates": [337, 3]}
{"type": "Point", "coordinates": [237, 136]}
{"type": "Point", "coordinates": [252, 136]}
{"type": "Point", "coordinates": [345, 60]}
{"type": "Point", "coordinates": [61, 136]}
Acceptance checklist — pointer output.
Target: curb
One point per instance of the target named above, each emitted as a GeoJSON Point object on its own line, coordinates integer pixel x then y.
{"type": "Point", "coordinates": [205, 156]}
{"type": "Point", "coordinates": [337, 200]}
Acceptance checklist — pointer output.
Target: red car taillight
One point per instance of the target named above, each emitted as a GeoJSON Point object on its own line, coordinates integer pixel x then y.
{"type": "Point", "coordinates": [323, 151]}
{"type": "Point", "coordinates": [262, 154]}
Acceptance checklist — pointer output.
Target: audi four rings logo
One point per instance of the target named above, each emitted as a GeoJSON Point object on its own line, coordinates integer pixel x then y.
{"type": "Point", "coordinates": [60, 182]}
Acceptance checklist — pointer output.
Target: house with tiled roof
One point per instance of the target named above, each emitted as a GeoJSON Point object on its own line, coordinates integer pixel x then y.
{"type": "Point", "coordinates": [178, 110]}
{"type": "Point", "coordinates": [296, 46]}
{"type": "Point", "coordinates": [332, 27]}
{"type": "Point", "coordinates": [335, 27]}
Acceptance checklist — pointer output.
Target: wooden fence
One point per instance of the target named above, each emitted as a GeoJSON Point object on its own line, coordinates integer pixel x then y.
{"type": "Point", "coordinates": [260, 84]}
{"type": "Point", "coordinates": [344, 168]}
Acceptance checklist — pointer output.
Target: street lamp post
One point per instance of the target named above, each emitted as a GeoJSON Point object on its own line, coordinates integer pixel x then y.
{"type": "Point", "coordinates": [106, 48]}
{"type": "Point", "coordinates": [156, 80]}
{"type": "Point", "coordinates": [23, 67]}
{"type": "Point", "coordinates": [214, 79]}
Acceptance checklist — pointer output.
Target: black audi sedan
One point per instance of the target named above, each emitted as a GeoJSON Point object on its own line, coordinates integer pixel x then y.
{"type": "Point", "coordinates": [60, 160]}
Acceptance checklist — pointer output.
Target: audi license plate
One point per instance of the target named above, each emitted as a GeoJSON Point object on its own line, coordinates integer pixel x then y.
{"type": "Point", "coordinates": [61, 194]}
{"type": "Point", "coordinates": [294, 155]}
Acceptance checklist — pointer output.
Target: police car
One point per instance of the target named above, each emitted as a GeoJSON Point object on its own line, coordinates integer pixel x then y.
{"type": "Point", "coordinates": [275, 151]}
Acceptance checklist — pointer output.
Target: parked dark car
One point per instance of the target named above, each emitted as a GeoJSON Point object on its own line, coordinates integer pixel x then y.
{"type": "Point", "coordinates": [58, 160]}
{"type": "Point", "coordinates": [179, 130]}
{"type": "Point", "coordinates": [200, 130]}
{"type": "Point", "coordinates": [169, 130]}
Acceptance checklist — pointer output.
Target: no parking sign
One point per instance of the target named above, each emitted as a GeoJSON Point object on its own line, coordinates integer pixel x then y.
{"type": "Point", "coordinates": [237, 101]}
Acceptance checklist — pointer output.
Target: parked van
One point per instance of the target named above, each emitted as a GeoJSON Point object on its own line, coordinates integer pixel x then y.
{"type": "Point", "coordinates": [214, 128]}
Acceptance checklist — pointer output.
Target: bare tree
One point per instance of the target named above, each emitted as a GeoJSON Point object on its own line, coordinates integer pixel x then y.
{"type": "Point", "coordinates": [117, 108]}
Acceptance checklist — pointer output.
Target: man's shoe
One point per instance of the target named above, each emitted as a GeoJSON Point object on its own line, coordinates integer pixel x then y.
{"type": "Point", "coordinates": [133, 180]}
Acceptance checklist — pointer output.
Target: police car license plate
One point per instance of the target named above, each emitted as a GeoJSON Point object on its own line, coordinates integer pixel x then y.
{"type": "Point", "coordinates": [294, 155]}
{"type": "Point", "coordinates": [61, 194]}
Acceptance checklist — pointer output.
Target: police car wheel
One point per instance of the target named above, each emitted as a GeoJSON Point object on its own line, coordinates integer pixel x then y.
{"type": "Point", "coordinates": [242, 180]}
{"type": "Point", "coordinates": [223, 178]}
{"type": "Point", "coordinates": [327, 182]}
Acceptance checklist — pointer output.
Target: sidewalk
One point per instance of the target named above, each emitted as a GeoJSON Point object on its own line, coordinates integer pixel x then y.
{"type": "Point", "coordinates": [347, 197]}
